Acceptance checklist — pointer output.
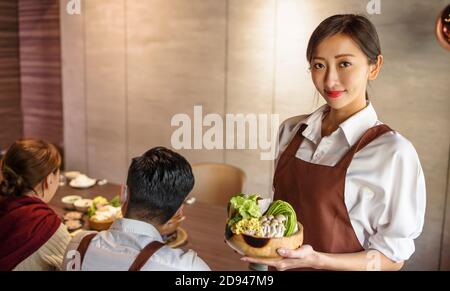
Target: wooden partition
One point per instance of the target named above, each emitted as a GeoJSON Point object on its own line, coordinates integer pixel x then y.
{"type": "Point", "coordinates": [40, 65]}
{"type": "Point", "coordinates": [10, 112]}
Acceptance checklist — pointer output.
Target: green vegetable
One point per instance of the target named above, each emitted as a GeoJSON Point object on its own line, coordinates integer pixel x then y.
{"type": "Point", "coordinates": [243, 207]}
{"type": "Point", "coordinates": [282, 207]}
{"type": "Point", "coordinates": [234, 220]}
{"type": "Point", "coordinates": [115, 201]}
{"type": "Point", "coordinates": [99, 200]}
{"type": "Point", "coordinates": [91, 210]}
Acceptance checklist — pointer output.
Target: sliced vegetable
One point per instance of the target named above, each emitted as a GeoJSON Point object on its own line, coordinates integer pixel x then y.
{"type": "Point", "coordinates": [284, 208]}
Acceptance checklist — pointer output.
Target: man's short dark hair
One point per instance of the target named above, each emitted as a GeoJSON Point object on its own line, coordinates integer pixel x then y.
{"type": "Point", "coordinates": [158, 182]}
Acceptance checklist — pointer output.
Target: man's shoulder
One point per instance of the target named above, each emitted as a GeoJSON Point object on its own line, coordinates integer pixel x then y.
{"type": "Point", "coordinates": [177, 259]}
{"type": "Point", "coordinates": [73, 246]}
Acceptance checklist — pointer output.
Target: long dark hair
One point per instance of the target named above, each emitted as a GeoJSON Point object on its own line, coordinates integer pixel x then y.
{"type": "Point", "coordinates": [26, 163]}
{"type": "Point", "coordinates": [358, 27]}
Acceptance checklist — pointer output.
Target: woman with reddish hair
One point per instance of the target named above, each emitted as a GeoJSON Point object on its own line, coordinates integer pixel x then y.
{"type": "Point", "coordinates": [31, 234]}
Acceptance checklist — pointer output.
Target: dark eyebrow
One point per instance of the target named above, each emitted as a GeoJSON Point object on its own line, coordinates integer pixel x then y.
{"type": "Point", "coordinates": [336, 57]}
{"type": "Point", "coordinates": [343, 55]}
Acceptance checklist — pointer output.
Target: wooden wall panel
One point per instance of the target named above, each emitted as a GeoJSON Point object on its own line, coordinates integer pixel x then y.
{"type": "Point", "coordinates": [175, 60]}
{"type": "Point", "coordinates": [294, 90]}
{"type": "Point", "coordinates": [10, 112]}
{"type": "Point", "coordinates": [74, 89]}
{"type": "Point", "coordinates": [250, 81]}
{"type": "Point", "coordinates": [106, 89]}
{"type": "Point", "coordinates": [445, 251]}
{"type": "Point", "coordinates": [40, 62]}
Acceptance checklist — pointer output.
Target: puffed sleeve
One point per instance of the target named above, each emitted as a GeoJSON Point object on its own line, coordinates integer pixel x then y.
{"type": "Point", "coordinates": [52, 252]}
{"type": "Point", "coordinates": [399, 210]}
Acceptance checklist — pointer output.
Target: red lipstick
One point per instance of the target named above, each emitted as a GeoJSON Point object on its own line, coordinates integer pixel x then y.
{"type": "Point", "coordinates": [334, 94]}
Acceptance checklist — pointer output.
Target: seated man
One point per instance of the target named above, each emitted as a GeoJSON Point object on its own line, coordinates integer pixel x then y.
{"type": "Point", "coordinates": [158, 183]}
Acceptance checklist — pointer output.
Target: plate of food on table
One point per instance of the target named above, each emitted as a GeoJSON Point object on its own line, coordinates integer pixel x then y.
{"type": "Point", "coordinates": [102, 212]}
{"type": "Point", "coordinates": [98, 213]}
{"type": "Point", "coordinates": [82, 181]}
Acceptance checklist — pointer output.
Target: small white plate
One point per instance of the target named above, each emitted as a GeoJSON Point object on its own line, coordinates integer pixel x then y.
{"type": "Point", "coordinates": [72, 174]}
{"type": "Point", "coordinates": [83, 186]}
{"type": "Point", "coordinates": [70, 200]}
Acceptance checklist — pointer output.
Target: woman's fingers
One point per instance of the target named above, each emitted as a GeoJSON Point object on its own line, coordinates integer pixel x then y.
{"type": "Point", "coordinates": [300, 253]}
{"type": "Point", "coordinates": [269, 262]}
{"type": "Point", "coordinates": [293, 254]}
{"type": "Point", "coordinates": [279, 264]}
{"type": "Point", "coordinates": [298, 258]}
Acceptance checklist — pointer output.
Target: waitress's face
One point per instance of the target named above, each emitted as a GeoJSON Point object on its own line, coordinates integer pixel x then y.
{"type": "Point", "coordinates": [340, 71]}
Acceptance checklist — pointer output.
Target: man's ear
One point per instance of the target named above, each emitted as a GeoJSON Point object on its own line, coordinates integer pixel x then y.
{"type": "Point", "coordinates": [172, 224]}
{"type": "Point", "coordinates": [376, 68]}
{"type": "Point", "coordinates": [179, 212]}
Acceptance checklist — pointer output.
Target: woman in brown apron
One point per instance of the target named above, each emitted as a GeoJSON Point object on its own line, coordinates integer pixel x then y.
{"type": "Point", "coordinates": [366, 217]}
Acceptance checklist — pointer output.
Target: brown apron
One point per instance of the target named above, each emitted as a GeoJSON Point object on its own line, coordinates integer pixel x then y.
{"type": "Point", "coordinates": [316, 192]}
{"type": "Point", "coordinates": [138, 263]}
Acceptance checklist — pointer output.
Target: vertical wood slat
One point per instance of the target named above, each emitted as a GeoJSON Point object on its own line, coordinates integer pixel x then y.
{"type": "Point", "coordinates": [105, 89]}
{"type": "Point", "coordinates": [40, 63]}
{"type": "Point", "coordinates": [250, 76]}
{"type": "Point", "coordinates": [191, 34]}
{"type": "Point", "coordinates": [10, 112]}
{"type": "Point", "coordinates": [74, 89]}
{"type": "Point", "coordinates": [445, 248]}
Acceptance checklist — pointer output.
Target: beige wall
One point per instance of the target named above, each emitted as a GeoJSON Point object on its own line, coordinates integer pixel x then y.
{"type": "Point", "coordinates": [130, 65]}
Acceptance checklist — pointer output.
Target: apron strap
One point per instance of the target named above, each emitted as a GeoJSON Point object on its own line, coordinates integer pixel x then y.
{"type": "Point", "coordinates": [84, 245]}
{"type": "Point", "coordinates": [370, 135]}
{"type": "Point", "coordinates": [293, 146]}
{"type": "Point", "coordinates": [291, 149]}
{"type": "Point", "coordinates": [145, 255]}
{"type": "Point", "coordinates": [138, 263]}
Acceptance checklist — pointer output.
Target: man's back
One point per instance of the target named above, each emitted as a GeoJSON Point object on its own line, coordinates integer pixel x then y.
{"type": "Point", "coordinates": [117, 248]}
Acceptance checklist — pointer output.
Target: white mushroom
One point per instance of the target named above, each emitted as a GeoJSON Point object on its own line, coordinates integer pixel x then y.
{"type": "Point", "coordinates": [280, 217]}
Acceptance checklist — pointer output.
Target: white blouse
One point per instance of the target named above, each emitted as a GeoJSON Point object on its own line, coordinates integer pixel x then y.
{"type": "Point", "coordinates": [116, 248]}
{"type": "Point", "coordinates": [385, 191]}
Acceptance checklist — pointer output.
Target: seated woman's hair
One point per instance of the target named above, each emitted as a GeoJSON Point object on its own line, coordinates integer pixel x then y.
{"type": "Point", "coordinates": [158, 182]}
{"type": "Point", "coordinates": [26, 163]}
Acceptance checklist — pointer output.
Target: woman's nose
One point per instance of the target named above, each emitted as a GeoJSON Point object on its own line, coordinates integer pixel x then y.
{"type": "Point", "coordinates": [331, 78]}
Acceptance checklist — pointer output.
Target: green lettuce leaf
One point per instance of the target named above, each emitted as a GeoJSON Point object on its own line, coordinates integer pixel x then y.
{"type": "Point", "coordinates": [245, 207]}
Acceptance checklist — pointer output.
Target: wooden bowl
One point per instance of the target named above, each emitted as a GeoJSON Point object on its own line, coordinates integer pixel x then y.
{"type": "Point", "coordinates": [258, 247]}
{"type": "Point", "coordinates": [100, 225]}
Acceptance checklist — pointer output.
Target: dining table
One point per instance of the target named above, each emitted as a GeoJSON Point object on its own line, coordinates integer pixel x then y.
{"type": "Point", "coordinates": [203, 226]}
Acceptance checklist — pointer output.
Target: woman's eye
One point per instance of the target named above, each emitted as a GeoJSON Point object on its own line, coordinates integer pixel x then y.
{"type": "Point", "coordinates": [318, 66]}
{"type": "Point", "coordinates": [345, 64]}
